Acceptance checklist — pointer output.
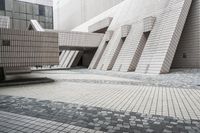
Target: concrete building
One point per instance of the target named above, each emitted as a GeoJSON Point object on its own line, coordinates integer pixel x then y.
{"type": "Point", "coordinates": [70, 13]}
{"type": "Point", "coordinates": [16, 15]}
{"type": "Point", "coordinates": [76, 48]}
{"type": "Point", "coordinates": [22, 49]}
{"type": "Point", "coordinates": [75, 13]}
{"type": "Point", "coordinates": [147, 36]}
{"type": "Point", "coordinates": [22, 11]}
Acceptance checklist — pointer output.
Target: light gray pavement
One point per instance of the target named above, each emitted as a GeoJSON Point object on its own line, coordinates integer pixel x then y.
{"type": "Point", "coordinates": [111, 92]}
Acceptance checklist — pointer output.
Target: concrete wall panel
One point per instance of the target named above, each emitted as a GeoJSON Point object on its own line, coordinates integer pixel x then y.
{"type": "Point", "coordinates": [128, 59]}
{"type": "Point", "coordinates": [163, 40]}
{"type": "Point", "coordinates": [110, 54]}
{"type": "Point", "coordinates": [188, 50]}
{"type": "Point", "coordinates": [28, 48]}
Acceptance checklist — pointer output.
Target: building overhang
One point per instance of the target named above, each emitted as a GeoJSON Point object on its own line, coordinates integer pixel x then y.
{"type": "Point", "coordinates": [101, 26]}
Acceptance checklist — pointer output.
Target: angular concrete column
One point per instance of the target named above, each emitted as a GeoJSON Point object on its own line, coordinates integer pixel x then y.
{"type": "Point", "coordinates": [77, 58]}
{"type": "Point", "coordinates": [34, 25]}
{"type": "Point", "coordinates": [134, 44]}
{"type": "Point", "coordinates": [131, 49]}
{"type": "Point", "coordinates": [114, 47]}
{"type": "Point", "coordinates": [148, 23]}
{"type": "Point", "coordinates": [63, 58]}
{"type": "Point", "coordinates": [68, 59]}
{"type": "Point", "coordinates": [2, 74]}
{"type": "Point", "coordinates": [125, 29]}
{"type": "Point", "coordinates": [188, 50]}
{"type": "Point", "coordinates": [101, 50]}
{"type": "Point", "coordinates": [109, 56]}
{"type": "Point", "coordinates": [73, 59]}
{"type": "Point", "coordinates": [162, 43]}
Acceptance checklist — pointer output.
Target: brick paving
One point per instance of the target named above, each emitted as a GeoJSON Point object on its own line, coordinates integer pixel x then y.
{"type": "Point", "coordinates": [15, 123]}
{"type": "Point", "coordinates": [48, 116]}
{"type": "Point", "coordinates": [150, 103]}
{"type": "Point", "coordinates": [174, 102]}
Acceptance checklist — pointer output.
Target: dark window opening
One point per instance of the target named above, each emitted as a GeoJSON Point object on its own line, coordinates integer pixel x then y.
{"type": "Point", "coordinates": [123, 39]}
{"type": "Point", "coordinates": [2, 4]}
{"type": "Point", "coordinates": [80, 63]}
{"type": "Point", "coordinates": [6, 42]}
{"type": "Point", "coordinates": [103, 30]}
{"type": "Point", "coordinates": [139, 53]}
{"type": "Point", "coordinates": [41, 10]}
{"type": "Point", "coordinates": [184, 55]}
{"type": "Point", "coordinates": [146, 34]}
{"type": "Point", "coordinates": [30, 27]}
{"type": "Point", "coordinates": [107, 43]}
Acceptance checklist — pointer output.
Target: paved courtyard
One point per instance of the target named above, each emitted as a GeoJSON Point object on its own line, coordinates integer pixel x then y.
{"type": "Point", "coordinates": [94, 101]}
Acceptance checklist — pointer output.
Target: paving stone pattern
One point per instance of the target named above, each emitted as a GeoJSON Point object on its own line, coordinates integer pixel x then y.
{"type": "Point", "coordinates": [180, 78]}
{"type": "Point", "coordinates": [117, 94]}
{"type": "Point", "coordinates": [86, 117]}
{"type": "Point", "coordinates": [14, 123]}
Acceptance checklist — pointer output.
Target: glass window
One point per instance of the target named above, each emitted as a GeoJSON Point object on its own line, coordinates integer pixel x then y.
{"type": "Point", "coordinates": [2, 4]}
{"type": "Point", "coordinates": [41, 10]}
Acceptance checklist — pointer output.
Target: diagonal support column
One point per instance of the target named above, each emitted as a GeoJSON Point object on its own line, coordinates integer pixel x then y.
{"type": "Point", "coordinates": [109, 56]}
{"type": "Point", "coordinates": [163, 40]}
{"type": "Point", "coordinates": [101, 50]}
{"type": "Point", "coordinates": [129, 48]}
{"type": "Point", "coordinates": [134, 44]}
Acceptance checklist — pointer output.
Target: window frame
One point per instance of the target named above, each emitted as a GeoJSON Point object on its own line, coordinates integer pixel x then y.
{"type": "Point", "coordinates": [2, 5]}
{"type": "Point", "coordinates": [41, 9]}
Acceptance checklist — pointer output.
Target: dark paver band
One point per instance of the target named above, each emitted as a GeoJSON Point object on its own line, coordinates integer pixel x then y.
{"type": "Point", "coordinates": [96, 118]}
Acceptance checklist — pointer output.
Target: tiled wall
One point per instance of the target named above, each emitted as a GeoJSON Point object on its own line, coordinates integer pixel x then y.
{"type": "Point", "coordinates": [76, 40]}
{"type": "Point", "coordinates": [161, 45]}
{"type": "Point", "coordinates": [188, 51]}
{"type": "Point", "coordinates": [79, 39]}
{"type": "Point", "coordinates": [110, 54]}
{"type": "Point", "coordinates": [132, 47]}
{"type": "Point", "coordinates": [125, 29]}
{"type": "Point", "coordinates": [21, 13]}
{"type": "Point", "coordinates": [4, 22]}
{"type": "Point", "coordinates": [28, 48]}
{"type": "Point", "coordinates": [100, 50]}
